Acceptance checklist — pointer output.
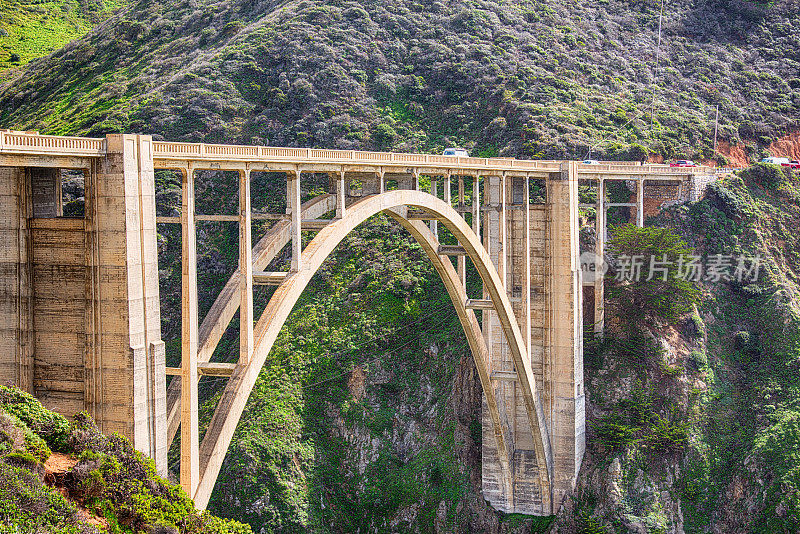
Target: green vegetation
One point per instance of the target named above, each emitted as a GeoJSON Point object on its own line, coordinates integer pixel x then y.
{"type": "Point", "coordinates": [30, 29]}
{"type": "Point", "coordinates": [116, 483]}
{"type": "Point", "coordinates": [728, 442]}
{"type": "Point", "coordinates": [656, 289]}
{"type": "Point", "coordinates": [527, 79]}
{"type": "Point", "coordinates": [754, 402]}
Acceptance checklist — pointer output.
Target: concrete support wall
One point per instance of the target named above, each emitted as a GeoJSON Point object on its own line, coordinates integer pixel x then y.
{"type": "Point", "coordinates": [59, 305]}
{"type": "Point", "coordinates": [79, 306]}
{"type": "Point", "coordinates": [566, 420]}
{"type": "Point", "coordinates": [546, 297]}
{"type": "Point", "coordinates": [16, 293]}
{"type": "Point", "coordinates": [46, 192]}
{"type": "Point", "coordinates": [125, 361]}
{"type": "Point", "coordinates": [535, 249]}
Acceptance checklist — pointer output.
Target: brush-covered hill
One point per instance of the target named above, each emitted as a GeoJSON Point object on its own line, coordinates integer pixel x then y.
{"type": "Point", "coordinates": [532, 79]}
{"type": "Point", "coordinates": [61, 477]}
{"type": "Point", "coordinates": [30, 29]}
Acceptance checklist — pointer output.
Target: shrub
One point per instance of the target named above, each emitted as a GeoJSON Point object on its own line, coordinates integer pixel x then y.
{"type": "Point", "coordinates": [778, 447]}
{"type": "Point", "coordinates": [638, 152]}
{"type": "Point", "coordinates": [768, 175]}
{"type": "Point", "coordinates": [27, 505]}
{"type": "Point", "coordinates": [666, 296]}
{"type": "Point", "coordinates": [52, 427]}
{"type": "Point", "coordinates": [699, 359]}
{"type": "Point", "coordinates": [666, 435]}
{"type": "Point", "coordinates": [121, 484]}
{"type": "Point", "coordinates": [22, 458]}
{"type": "Point", "coordinates": [111, 478]}
{"type": "Point", "coordinates": [613, 433]}
{"type": "Point", "coordinates": [383, 135]}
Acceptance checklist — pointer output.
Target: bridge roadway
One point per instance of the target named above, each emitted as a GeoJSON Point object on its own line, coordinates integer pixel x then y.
{"type": "Point", "coordinates": [527, 347]}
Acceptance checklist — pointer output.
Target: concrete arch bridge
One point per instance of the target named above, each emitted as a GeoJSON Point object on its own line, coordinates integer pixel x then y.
{"type": "Point", "coordinates": [81, 316]}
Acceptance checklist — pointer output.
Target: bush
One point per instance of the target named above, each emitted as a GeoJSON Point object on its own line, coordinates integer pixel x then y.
{"type": "Point", "coordinates": [778, 448]}
{"type": "Point", "coordinates": [666, 435]}
{"type": "Point", "coordinates": [27, 505]}
{"type": "Point", "coordinates": [768, 175]}
{"type": "Point", "coordinates": [666, 296]}
{"type": "Point", "coordinates": [111, 478]}
{"type": "Point", "coordinates": [52, 427]}
{"type": "Point", "coordinates": [613, 434]}
{"type": "Point", "coordinates": [699, 359]}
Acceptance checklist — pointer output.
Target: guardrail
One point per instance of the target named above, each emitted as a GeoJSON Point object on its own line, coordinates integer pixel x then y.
{"type": "Point", "coordinates": [34, 143]}
{"type": "Point", "coordinates": [636, 169]}
{"type": "Point", "coordinates": [203, 151]}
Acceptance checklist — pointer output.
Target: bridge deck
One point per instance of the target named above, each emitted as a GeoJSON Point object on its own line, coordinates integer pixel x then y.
{"type": "Point", "coordinates": [169, 154]}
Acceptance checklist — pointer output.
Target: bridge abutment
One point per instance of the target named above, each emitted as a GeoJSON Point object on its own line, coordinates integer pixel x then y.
{"type": "Point", "coordinates": [534, 245]}
{"type": "Point", "coordinates": [565, 333]}
{"type": "Point", "coordinates": [125, 358]}
{"type": "Point", "coordinates": [79, 310]}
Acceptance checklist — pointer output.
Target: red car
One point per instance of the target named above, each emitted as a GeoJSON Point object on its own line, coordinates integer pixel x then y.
{"type": "Point", "coordinates": [794, 164]}
{"type": "Point", "coordinates": [683, 163]}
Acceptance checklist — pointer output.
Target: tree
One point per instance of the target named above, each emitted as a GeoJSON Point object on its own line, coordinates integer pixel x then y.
{"type": "Point", "coordinates": [661, 291]}
{"type": "Point", "coordinates": [637, 152]}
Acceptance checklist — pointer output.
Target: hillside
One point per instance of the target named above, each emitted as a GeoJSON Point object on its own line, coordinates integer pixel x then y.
{"type": "Point", "coordinates": [30, 29]}
{"type": "Point", "coordinates": [530, 79]}
{"type": "Point", "coordinates": [367, 413]}
{"type": "Point", "coordinates": [68, 478]}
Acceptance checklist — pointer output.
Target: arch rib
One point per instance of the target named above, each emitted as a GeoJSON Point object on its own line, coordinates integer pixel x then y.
{"type": "Point", "coordinates": [234, 397]}
{"type": "Point", "coordinates": [224, 308]}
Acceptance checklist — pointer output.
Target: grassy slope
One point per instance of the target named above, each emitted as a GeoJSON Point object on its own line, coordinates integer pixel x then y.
{"type": "Point", "coordinates": [101, 475]}
{"type": "Point", "coordinates": [525, 78]}
{"type": "Point", "coordinates": [32, 29]}
{"type": "Point", "coordinates": [753, 407]}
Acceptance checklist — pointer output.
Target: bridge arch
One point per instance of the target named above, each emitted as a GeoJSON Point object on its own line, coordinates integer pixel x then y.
{"type": "Point", "coordinates": [395, 203]}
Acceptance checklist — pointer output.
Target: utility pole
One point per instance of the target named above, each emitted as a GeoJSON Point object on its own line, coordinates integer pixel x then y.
{"type": "Point", "coordinates": [716, 129]}
{"type": "Point", "coordinates": [655, 73]}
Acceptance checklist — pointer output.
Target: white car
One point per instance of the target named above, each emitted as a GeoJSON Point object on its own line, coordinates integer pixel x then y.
{"type": "Point", "coordinates": [590, 162]}
{"type": "Point", "coordinates": [775, 160]}
{"type": "Point", "coordinates": [455, 152]}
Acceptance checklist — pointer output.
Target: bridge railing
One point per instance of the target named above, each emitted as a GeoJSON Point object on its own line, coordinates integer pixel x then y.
{"type": "Point", "coordinates": [636, 169]}
{"type": "Point", "coordinates": [34, 143]}
{"type": "Point", "coordinates": [170, 150]}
